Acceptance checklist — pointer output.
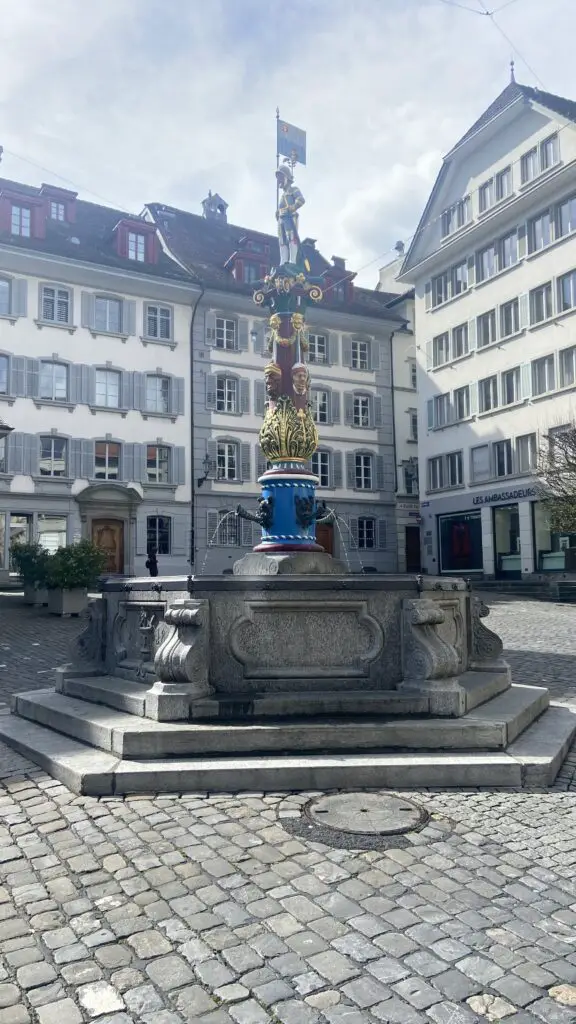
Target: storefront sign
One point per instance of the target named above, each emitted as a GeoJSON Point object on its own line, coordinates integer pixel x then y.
{"type": "Point", "coordinates": [522, 492]}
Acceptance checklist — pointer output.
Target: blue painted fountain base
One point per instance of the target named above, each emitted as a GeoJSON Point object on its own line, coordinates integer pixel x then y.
{"type": "Point", "coordinates": [290, 489]}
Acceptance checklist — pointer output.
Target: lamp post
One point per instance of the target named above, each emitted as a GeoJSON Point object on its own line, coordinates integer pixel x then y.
{"type": "Point", "coordinates": [206, 466]}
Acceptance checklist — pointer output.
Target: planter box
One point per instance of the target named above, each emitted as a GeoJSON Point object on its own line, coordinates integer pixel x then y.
{"type": "Point", "coordinates": [29, 594]}
{"type": "Point", "coordinates": [36, 596]}
{"type": "Point", "coordinates": [67, 602]}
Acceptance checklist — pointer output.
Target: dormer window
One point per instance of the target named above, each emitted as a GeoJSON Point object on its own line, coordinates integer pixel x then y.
{"type": "Point", "coordinates": [57, 211]}
{"type": "Point", "coordinates": [136, 247]}
{"type": "Point", "coordinates": [20, 221]}
{"type": "Point", "coordinates": [249, 273]}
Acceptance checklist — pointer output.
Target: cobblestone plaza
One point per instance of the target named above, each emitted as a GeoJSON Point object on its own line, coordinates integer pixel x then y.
{"type": "Point", "coordinates": [221, 909]}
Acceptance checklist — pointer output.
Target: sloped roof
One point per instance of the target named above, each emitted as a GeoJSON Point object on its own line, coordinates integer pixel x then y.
{"type": "Point", "coordinates": [89, 239]}
{"type": "Point", "coordinates": [513, 92]}
{"type": "Point", "coordinates": [205, 246]}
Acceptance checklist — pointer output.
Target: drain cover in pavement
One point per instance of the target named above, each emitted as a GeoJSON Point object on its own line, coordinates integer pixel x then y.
{"type": "Point", "coordinates": [366, 813]}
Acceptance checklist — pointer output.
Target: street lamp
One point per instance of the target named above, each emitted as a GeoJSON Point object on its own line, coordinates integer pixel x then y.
{"type": "Point", "coordinates": [4, 429]}
{"type": "Point", "coordinates": [206, 466]}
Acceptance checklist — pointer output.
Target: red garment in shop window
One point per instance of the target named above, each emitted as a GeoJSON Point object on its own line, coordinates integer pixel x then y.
{"type": "Point", "coordinates": [461, 544]}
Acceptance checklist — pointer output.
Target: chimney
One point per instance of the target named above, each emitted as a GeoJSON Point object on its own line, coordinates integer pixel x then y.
{"type": "Point", "coordinates": [214, 208]}
{"type": "Point", "coordinates": [399, 247]}
{"type": "Point", "coordinates": [339, 262]}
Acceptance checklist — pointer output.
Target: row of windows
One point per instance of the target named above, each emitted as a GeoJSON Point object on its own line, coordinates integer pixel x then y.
{"type": "Point", "coordinates": [542, 376]}
{"type": "Point", "coordinates": [225, 529]}
{"type": "Point", "coordinates": [491, 461]}
{"type": "Point", "coordinates": [21, 225]}
{"type": "Point", "coordinates": [71, 458]}
{"type": "Point", "coordinates": [230, 461]}
{"type": "Point", "coordinates": [52, 531]}
{"type": "Point", "coordinates": [49, 381]}
{"type": "Point", "coordinates": [537, 160]}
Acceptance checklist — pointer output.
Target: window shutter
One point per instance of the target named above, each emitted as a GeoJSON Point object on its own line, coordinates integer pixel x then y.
{"type": "Point", "coordinates": [348, 407]}
{"type": "Point", "coordinates": [335, 406]}
{"type": "Point", "coordinates": [127, 391]}
{"type": "Point", "coordinates": [380, 482]}
{"type": "Point", "coordinates": [89, 385]}
{"type": "Point", "coordinates": [260, 461]}
{"type": "Point", "coordinates": [31, 454]}
{"type": "Point", "coordinates": [333, 348]}
{"type": "Point", "coordinates": [430, 413]}
{"type": "Point", "coordinates": [472, 335]}
{"type": "Point", "coordinates": [521, 241]}
{"type": "Point", "coordinates": [242, 330]}
{"type": "Point", "coordinates": [32, 378]}
{"type": "Point", "coordinates": [19, 297]}
{"type": "Point", "coordinates": [211, 380]}
{"type": "Point", "coordinates": [346, 351]}
{"type": "Point", "coordinates": [141, 535]}
{"type": "Point", "coordinates": [245, 459]}
{"type": "Point", "coordinates": [259, 337]}
{"type": "Point", "coordinates": [177, 386]}
{"type": "Point", "coordinates": [429, 355]}
{"type": "Point", "coordinates": [75, 458]}
{"type": "Point", "coordinates": [178, 465]}
{"type": "Point", "coordinates": [180, 532]}
{"type": "Point", "coordinates": [246, 528]}
{"type": "Point", "coordinates": [139, 391]}
{"type": "Point", "coordinates": [210, 323]}
{"type": "Point", "coordinates": [87, 460]}
{"type": "Point", "coordinates": [75, 383]}
{"type": "Point", "coordinates": [244, 395]}
{"type": "Point", "coordinates": [354, 531]}
{"type": "Point", "coordinates": [140, 467]}
{"type": "Point", "coordinates": [212, 449]}
{"type": "Point", "coordinates": [336, 468]}
{"type": "Point", "coordinates": [374, 354]}
{"type": "Point", "coordinates": [212, 523]}
{"type": "Point", "coordinates": [18, 377]}
{"type": "Point", "coordinates": [87, 311]}
{"type": "Point", "coordinates": [471, 271]}
{"type": "Point", "coordinates": [382, 526]}
{"type": "Point", "coordinates": [129, 317]}
{"type": "Point", "coordinates": [15, 453]}
{"type": "Point", "coordinates": [350, 470]}
{"type": "Point", "coordinates": [526, 380]}
{"type": "Point", "coordinates": [377, 406]}
{"type": "Point", "coordinates": [259, 397]}
{"type": "Point", "coordinates": [128, 462]}
{"type": "Point", "coordinates": [473, 392]}
{"type": "Point", "coordinates": [428, 295]}
{"type": "Point", "coordinates": [523, 310]}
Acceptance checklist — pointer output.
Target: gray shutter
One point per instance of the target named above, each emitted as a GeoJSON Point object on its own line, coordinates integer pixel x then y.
{"type": "Point", "coordinates": [521, 241]}
{"type": "Point", "coordinates": [31, 454]}
{"type": "Point", "coordinates": [19, 297]}
{"type": "Point", "coordinates": [375, 354]}
{"type": "Point", "coordinates": [429, 355]}
{"type": "Point", "coordinates": [179, 530]}
{"type": "Point", "coordinates": [177, 396]}
{"type": "Point", "coordinates": [346, 351]}
{"type": "Point", "coordinates": [139, 391]}
{"type": "Point", "coordinates": [377, 406]}
{"type": "Point", "coordinates": [18, 377]}
{"type": "Point", "coordinates": [89, 385]}
{"type": "Point", "coordinates": [75, 383]}
{"type": "Point", "coordinates": [354, 531]}
{"type": "Point", "coordinates": [129, 317]}
{"type": "Point", "coordinates": [246, 527]}
{"type": "Point", "coordinates": [211, 380]}
{"type": "Point", "coordinates": [210, 328]}
{"type": "Point", "coordinates": [245, 459]}
{"type": "Point", "coordinates": [333, 347]}
{"type": "Point", "coordinates": [259, 397]}
{"type": "Point", "coordinates": [381, 527]}
{"type": "Point", "coordinates": [179, 465]}
{"type": "Point", "coordinates": [523, 310]}
{"type": "Point", "coordinates": [87, 460]}
{"type": "Point", "coordinates": [244, 395]}
{"type": "Point", "coordinates": [141, 535]}
{"type": "Point", "coordinates": [430, 413]}
{"type": "Point", "coordinates": [127, 460]}
{"type": "Point", "coordinates": [32, 378]}
{"type": "Point", "coordinates": [334, 406]}
{"type": "Point", "coordinates": [473, 392]}
{"type": "Point", "coordinates": [212, 450]}
{"type": "Point", "coordinates": [127, 391]}
{"type": "Point", "coordinates": [87, 311]}
{"type": "Point", "coordinates": [348, 407]}
{"type": "Point", "coordinates": [75, 458]}
{"type": "Point", "coordinates": [471, 271]}
{"type": "Point", "coordinates": [242, 330]}
{"type": "Point", "coordinates": [350, 470]}
{"type": "Point", "coordinates": [212, 523]}
{"type": "Point", "coordinates": [428, 295]}
{"type": "Point", "coordinates": [472, 335]}
{"type": "Point", "coordinates": [336, 467]}
{"type": "Point", "coordinates": [140, 467]}
{"type": "Point", "coordinates": [15, 453]}
{"type": "Point", "coordinates": [380, 485]}
{"type": "Point", "coordinates": [261, 461]}
{"type": "Point", "coordinates": [259, 337]}
{"type": "Point", "coordinates": [526, 379]}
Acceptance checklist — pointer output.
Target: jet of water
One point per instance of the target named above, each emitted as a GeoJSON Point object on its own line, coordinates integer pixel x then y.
{"type": "Point", "coordinates": [212, 539]}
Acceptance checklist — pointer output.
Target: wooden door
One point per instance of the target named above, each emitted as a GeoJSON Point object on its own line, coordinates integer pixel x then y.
{"type": "Point", "coordinates": [325, 537]}
{"type": "Point", "coordinates": [413, 549]}
{"type": "Point", "coordinates": [108, 535]}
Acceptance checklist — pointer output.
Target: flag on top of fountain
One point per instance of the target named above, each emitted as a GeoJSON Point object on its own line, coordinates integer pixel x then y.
{"type": "Point", "coordinates": [291, 142]}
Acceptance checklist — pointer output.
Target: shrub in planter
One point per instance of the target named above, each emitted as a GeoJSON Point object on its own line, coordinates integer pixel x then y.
{"type": "Point", "coordinates": [71, 572]}
{"type": "Point", "coordinates": [30, 562]}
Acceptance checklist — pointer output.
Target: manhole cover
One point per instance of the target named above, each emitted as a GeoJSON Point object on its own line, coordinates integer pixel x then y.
{"type": "Point", "coordinates": [366, 813]}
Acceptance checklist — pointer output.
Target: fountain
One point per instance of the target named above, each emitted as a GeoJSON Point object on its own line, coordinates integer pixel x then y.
{"type": "Point", "coordinates": [293, 673]}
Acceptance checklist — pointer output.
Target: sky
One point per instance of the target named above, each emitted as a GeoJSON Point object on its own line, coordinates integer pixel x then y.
{"type": "Point", "coordinates": [136, 101]}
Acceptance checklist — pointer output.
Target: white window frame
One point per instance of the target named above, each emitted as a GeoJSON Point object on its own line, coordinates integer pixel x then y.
{"type": "Point", "coordinates": [57, 211]}
{"type": "Point", "coordinates": [485, 449]}
{"type": "Point", "coordinates": [526, 446]}
{"type": "Point", "coordinates": [512, 375]}
{"type": "Point", "coordinates": [486, 195]}
{"type": "Point", "coordinates": [413, 419]}
{"type": "Point", "coordinates": [489, 318]}
{"type": "Point", "coordinates": [488, 393]}
{"type": "Point", "coordinates": [413, 370]}
{"type": "Point", "coordinates": [109, 384]}
{"type": "Point", "coordinates": [567, 366]}
{"type": "Point", "coordinates": [320, 405]}
{"type": "Point", "coordinates": [110, 473]}
{"type": "Point", "coordinates": [548, 160]}
{"type": "Point", "coordinates": [136, 247]}
{"type": "Point", "coordinates": [160, 549]}
{"type": "Point", "coordinates": [364, 471]}
{"type": "Point", "coordinates": [107, 304]}
{"type": "Point", "coordinates": [486, 263]}
{"type": "Point", "coordinates": [228, 400]}
{"type": "Point", "coordinates": [228, 535]}
{"type": "Point", "coordinates": [441, 349]}
{"type": "Point", "coordinates": [540, 231]}
{"type": "Point", "coordinates": [529, 165]}
{"type": "Point", "coordinates": [436, 468]}
{"type": "Point", "coordinates": [361, 411]}
{"type": "Point", "coordinates": [454, 473]}
{"type": "Point", "coordinates": [227, 460]}
{"type": "Point", "coordinates": [366, 533]}
{"type": "Point", "coordinates": [547, 365]}
{"type": "Point", "coordinates": [157, 388]}
{"type": "Point", "coordinates": [360, 354]}
{"type": "Point", "coordinates": [21, 221]}
{"type": "Point", "coordinates": [317, 349]}
{"type": "Point", "coordinates": [226, 334]}
{"type": "Point", "coordinates": [462, 402]}
{"type": "Point", "coordinates": [509, 311]}
{"type": "Point", "coordinates": [542, 295]}
{"type": "Point", "coordinates": [570, 204]}
{"type": "Point", "coordinates": [505, 448]}
{"type": "Point", "coordinates": [5, 296]}
{"type": "Point", "coordinates": [155, 467]}
{"type": "Point", "coordinates": [53, 368]}
{"type": "Point", "coordinates": [441, 410]}
{"type": "Point", "coordinates": [51, 440]}
{"type": "Point", "coordinates": [61, 301]}
{"type": "Point", "coordinates": [160, 317]}
{"type": "Point", "coordinates": [321, 466]}
{"type": "Point", "coordinates": [570, 280]}
{"type": "Point", "coordinates": [4, 374]}
{"type": "Point", "coordinates": [507, 254]}
{"type": "Point", "coordinates": [460, 340]}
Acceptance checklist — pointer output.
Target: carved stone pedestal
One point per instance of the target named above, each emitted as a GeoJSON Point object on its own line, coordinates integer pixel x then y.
{"type": "Point", "coordinates": [293, 563]}
{"type": "Point", "coordinates": [182, 663]}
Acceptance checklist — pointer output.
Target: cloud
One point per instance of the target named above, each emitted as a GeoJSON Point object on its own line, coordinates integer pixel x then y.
{"type": "Point", "coordinates": [140, 100]}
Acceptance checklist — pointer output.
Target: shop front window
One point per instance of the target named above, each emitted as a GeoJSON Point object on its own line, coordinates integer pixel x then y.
{"type": "Point", "coordinates": [460, 537]}
{"type": "Point", "coordinates": [554, 551]}
{"type": "Point", "coordinates": [20, 530]}
{"type": "Point", "coordinates": [507, 540]}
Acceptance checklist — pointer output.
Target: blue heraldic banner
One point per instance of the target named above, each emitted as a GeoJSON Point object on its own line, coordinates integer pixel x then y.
{"type": "Point", "coordinates": [291, 142]}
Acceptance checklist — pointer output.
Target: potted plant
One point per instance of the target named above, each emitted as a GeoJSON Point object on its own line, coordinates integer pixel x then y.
{"type": "Point", "coordinates": [30, 562]}
{"type": "Point", "coordinates": [71, 572]}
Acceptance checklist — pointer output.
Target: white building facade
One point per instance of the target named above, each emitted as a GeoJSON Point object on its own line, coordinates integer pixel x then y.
{"type": "Point", "coordinates": [94, 372]}
{"type": "Point", "coordinates": [493, 264]}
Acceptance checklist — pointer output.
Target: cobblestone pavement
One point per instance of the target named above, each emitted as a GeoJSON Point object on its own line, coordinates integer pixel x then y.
{"type": "Point", "coordinates": [32, 644]}
{"type": "Point", "coordinates": [209, 910]}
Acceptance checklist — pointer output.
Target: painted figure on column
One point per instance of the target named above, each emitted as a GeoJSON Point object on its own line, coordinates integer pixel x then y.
{"type": "Point", "coordinates": [290, 199]}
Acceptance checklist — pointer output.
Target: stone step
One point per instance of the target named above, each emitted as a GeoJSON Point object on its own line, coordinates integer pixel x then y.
{"type": "Point", "coordinates": [111, 691]}
{"type": "Point", "coordinates": [487, 728]}
{"type": "Point", "coordinates": [95, 773]}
